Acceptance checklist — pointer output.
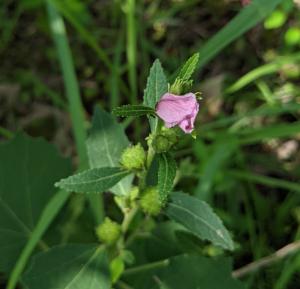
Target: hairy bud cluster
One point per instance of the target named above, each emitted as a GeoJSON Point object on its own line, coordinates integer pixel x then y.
{"type": "Point", "coordinates": [150, 201]}
{"type": "Point", "coordinates": [134, 157]}
{"type": "Point", "coordinates": [108, 232]}
{"type": "Point", "coordinates": [164, 140]}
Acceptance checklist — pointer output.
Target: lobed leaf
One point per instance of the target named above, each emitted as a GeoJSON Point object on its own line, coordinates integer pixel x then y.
{"type": "Point", "coordinates": [133, 110]}
{"type": "Point", "coordinates": [95, 180]}
{"type": "Point", "coordinates": [166, 175]}
{"type": "Point", "coordinates": [198, 217]}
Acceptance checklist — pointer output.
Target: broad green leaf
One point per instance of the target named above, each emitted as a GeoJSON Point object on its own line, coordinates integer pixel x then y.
{"type": "Point", "coordinates": [157, 85]}
{"type": "Point", "coordinates": [185, 271]}
{"type": "Point", "coordinates": [189, 67]}
{"type": "Point", "coordinates": [105, 144]}
{"type": "Point", "coordinates": [28, 170]}
{"type": "Point", "coordinates": [250, 16]}
{"type": "Point", "coordinates": [69, 267]}
{"type": "Point", "coordinates": [133, 110]}
{"type": "Point", "coordinates": [49, 213]}
{"type": "Point", "coordinates": [198, 217]}
{"type": "Point", "coordinates": [166, 175]}
{"type": "Point", "coordinates": [95, 180]}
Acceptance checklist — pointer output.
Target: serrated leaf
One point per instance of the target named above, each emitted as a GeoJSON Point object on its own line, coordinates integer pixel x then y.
{"type": "Point", "coordinates": [105, 144]}
{"type": "Point", "coordinates": [187, 271]}
{"type": "Point", "coordinates": [133, 110]}
{"type": "Point", "coordinates": [69, 267]}
{"type": "Point", "coordinates": [95, 180]}
{"type": "Point", "coordinates": [28, 169]}
{"type": "Point", "coordinates": [188, 68]}
{"type": "Point", "coordinates": [166, 175]}
{"type": "Point", "coordinates": [198, 217]}
{"type": "Point", "coordinates": [157, 85]}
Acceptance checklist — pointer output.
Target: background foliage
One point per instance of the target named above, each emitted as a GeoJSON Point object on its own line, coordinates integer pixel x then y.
{"type": "Point", "coordinates": [61, 58]}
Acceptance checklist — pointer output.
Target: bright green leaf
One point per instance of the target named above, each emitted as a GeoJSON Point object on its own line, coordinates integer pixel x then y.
{"type": "Point", "coordinates": [28, 169]}
{"type": "Point", "coordinates": [133, 110]}
{"type": "Point", "coordinates": [69, 267]}
{"type": "Point", "coordinates": [95, 180]}
{"type": "Point", "coordinates": [105, 144]}
{"type": "Point", "coordinates": [166, 175]}
{"type": "Point", "coordinates": [189, 67]}
{"type": "Point", "coordinates": [199, 218]}
{"type": "Point", "coordinates": [183, 81]}
{"type": "Point", "coordinates": [157, 85]}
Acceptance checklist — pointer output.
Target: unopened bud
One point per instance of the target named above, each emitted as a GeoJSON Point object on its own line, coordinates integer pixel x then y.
{"type": "Point", "coordinates": [165, 140]}
{"type": "Point", "coordinates": [134, 157]}
{"type": "Point", "coordinates": [150, 201]}
{"type": "Point", "coordinates": [108, 232]}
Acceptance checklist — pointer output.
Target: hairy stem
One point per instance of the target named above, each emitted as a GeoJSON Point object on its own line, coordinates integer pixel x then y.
{"type": "Point", "coordinates": [147, 267]}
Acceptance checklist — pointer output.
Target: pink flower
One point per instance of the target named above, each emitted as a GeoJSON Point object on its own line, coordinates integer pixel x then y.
{"type": "Point", "coordinates": [178, 110]}
{"type": "Point", "coordinates": [245, 2]}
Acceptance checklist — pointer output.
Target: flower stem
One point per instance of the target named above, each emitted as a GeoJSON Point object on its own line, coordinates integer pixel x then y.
{"type": "Point", "coordinates": [147, 267]}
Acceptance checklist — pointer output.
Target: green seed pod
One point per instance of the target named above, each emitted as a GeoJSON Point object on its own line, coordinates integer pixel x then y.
{"type": "Point", "coordinates": [108, 232]}
{"type": "Point", "coordinates": [150, 201]}
{"type": "Point", "coordinates": [134, 157]}
{"type": "Point", "coordinates": [165, 140]}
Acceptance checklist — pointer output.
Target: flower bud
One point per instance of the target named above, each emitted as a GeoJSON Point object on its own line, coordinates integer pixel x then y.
{"type": "Point", "coordinates": [108, 232]}
{"type": "Point", "coordinates": [165, 140]}
{"type": "Point", "coordinates": [150, 201]}
{"type": "Point", "coordinates": [134, 157]}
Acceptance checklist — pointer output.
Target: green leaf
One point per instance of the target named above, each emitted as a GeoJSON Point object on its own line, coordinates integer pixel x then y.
{"type": "Point", "coordinates": [199, 218]}
{"type": "Point", "coordinates": [95, 180]}
{"type": "Point", "coordinates": [133, 110]}
{"type": "Point", "coordinates": [157, 85]}
{"type": "Point", "coordinates": [166, 175]}
{"type": "Point", "coordinates": [185, 271]}
{"type": "Point", "coordinates": [251, 15]}
{"type": "Point", "coordinates": [188, 68]}
{"type": "Point", "coordinates": [105, 144]}
{"type": "Point", "coordinates": [28, 169]}
{"type": "Point", "coordinates": [69, 267]}
{"type": "Point", "coordinates": [49, 213]}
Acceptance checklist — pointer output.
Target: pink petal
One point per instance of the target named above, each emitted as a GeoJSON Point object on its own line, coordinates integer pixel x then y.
{"type": "Point", "coordinates": [178, 110]}
{"type": "Point", "coordinates": [173, 109]}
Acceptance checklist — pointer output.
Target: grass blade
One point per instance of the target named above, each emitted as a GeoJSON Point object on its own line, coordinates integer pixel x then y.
{"type": "Point", "coordinates": [267, 181]}
{"type": "Point", "coordinates": [241, 23]}
{"type": "Point", "coordinates": [71, 85]}
{"type": "Point", "coordinates": [266, 69]}
{"type": "Point", "coordinates": [131, 48]}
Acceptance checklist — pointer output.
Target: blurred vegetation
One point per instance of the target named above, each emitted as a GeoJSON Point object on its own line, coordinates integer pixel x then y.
{"type": "Point", "coordinates": [245, 160]}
